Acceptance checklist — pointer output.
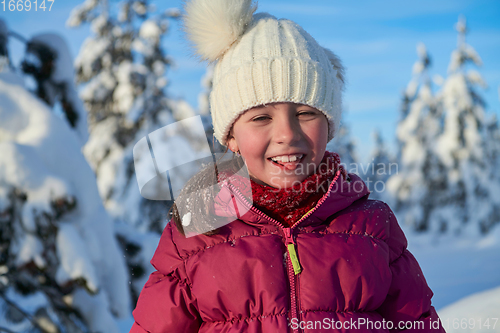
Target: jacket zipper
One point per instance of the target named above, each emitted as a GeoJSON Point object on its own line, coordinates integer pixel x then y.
{"type": "Point", "coordinates": [293, 261]}
{"type": "Point", "coordinates": [293, 270]}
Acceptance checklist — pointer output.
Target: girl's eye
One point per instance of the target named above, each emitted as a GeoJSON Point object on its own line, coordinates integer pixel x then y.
{"type": "Point", "coordinates": [307, 114]}
{"type": "Point", "coordinates": [261, 118]}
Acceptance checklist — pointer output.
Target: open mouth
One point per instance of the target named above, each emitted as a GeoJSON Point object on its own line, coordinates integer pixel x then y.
{"type": "Point", "coordinates": [287, 161]}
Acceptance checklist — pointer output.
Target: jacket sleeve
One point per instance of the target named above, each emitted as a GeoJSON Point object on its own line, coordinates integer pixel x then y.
{"type": "Point", "coordinates": [408, 301]}
{"type": "Point", "coordinates": [166, 303]}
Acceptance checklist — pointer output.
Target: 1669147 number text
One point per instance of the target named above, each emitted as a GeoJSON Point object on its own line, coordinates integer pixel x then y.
{"type": "Point", "coordinates": [26, 5]}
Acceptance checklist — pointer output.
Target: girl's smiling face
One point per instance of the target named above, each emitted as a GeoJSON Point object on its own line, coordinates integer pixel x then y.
{"type": "Point", "coordinates": [281, 143]}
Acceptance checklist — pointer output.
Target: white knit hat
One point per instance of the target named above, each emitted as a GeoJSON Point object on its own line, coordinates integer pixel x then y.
{"type": "Point", "coordinates": [261, 60]}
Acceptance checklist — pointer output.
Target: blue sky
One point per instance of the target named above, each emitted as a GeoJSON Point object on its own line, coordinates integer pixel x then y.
{"type": "Point", "coordinates": [375, 39]}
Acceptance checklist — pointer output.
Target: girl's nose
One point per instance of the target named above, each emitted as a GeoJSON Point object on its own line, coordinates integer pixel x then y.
{"type": "Point", "coordinates": [286, 131]}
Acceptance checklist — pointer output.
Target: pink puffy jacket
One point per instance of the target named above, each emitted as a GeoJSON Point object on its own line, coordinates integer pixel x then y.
{"type": "Point", "coordinates": [356, 273]}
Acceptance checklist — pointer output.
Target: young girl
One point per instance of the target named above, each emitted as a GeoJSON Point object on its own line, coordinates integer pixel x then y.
{"type": "Point", "coordinates": [300, 247]}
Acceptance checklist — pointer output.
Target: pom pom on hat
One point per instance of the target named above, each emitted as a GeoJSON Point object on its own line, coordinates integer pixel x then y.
{"type": "Point", "coordinates": [214, 25]}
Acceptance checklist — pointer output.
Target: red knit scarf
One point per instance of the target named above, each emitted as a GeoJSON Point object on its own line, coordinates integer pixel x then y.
{"type": "Point", "coordinates": [288, 205]}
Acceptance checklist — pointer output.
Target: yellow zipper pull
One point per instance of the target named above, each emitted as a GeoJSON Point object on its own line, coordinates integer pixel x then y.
{"type": "Point", "coordinates": [291, 251]}
{"type": "Point", "coordinates": [293, 257]}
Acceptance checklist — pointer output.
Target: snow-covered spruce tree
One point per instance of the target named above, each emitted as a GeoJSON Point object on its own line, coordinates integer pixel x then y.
{"type": "Point", "coordinates": [61, 268]}
{"type": "Point", "coordinates": [121, 69]}
{"type": "Point", "coordinates": [419, 186]}
{"type": "Point", "coordinates": [381, 166]}
{"type": "Point", "coordinates": [49, 62]}
{"type": "Point", "coordinates": [473, 200]}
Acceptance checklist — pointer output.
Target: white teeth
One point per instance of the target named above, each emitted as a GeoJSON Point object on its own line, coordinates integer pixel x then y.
{"type": "Point", "coordinates": [287, 158]}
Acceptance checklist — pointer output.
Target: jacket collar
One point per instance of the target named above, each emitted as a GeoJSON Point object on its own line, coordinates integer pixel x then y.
{"type": "Point", "coordinates": [342, 192]}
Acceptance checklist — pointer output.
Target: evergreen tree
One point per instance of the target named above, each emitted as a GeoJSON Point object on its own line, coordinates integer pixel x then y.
{"type": "Point", "coordinates": [122, 67]}
{"type": "Point", "coordinates": [473, 201]}
{"type": "Point", "coordinates": [122, 70]}
{"type": "Point", "coordinates": [419, 185]}
{"type": "Point", "coordinates": [448, 151]}
{"type": "Point", "coordinates": [61, 269]}
{"type": "Point", "coordinates": [48, 61]}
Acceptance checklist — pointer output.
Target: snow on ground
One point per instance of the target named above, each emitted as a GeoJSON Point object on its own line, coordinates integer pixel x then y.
{"type": "Point", "coordinates": [479, 312]}
{"type": "Point", "coordinates": [458, 266]}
